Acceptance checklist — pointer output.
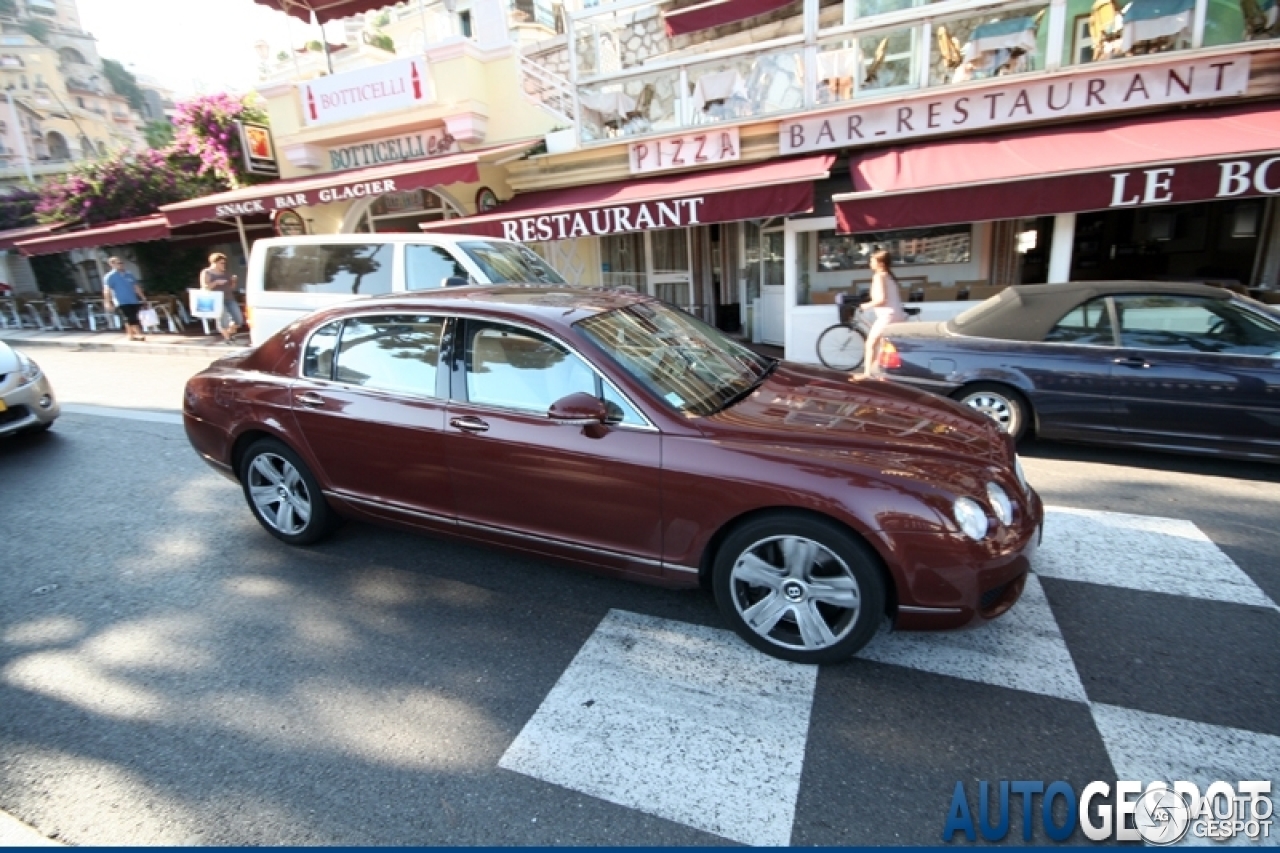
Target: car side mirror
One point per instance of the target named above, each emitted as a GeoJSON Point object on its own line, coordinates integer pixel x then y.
{"type": "Point", "coordinates": [578, 409]}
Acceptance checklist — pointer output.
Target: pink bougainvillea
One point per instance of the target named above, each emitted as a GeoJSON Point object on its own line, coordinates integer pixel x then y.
{"type": "Point", "coordinates": [205, 157]}
{"type": "Point", "coordinates": [205, 128]}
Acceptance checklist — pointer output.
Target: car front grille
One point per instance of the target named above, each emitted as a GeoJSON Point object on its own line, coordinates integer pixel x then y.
{"type": "Point", "coordinates": [16, 413]}
{"type": "Point", "coordinates": [991, 596]}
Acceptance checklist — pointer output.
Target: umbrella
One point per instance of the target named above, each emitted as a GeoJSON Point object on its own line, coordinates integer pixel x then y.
{"type": "Point", "coordinates": [324, 10]}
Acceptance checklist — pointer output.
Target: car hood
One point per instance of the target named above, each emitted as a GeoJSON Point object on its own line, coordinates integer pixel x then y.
{"type": "Point", "coordinates": [809, 406]}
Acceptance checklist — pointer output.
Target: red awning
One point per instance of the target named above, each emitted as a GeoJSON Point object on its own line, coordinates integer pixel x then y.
{"type": "Point", "coordinates": [112, 234]}
{"type": "Point", "coordinates": [325, 10]}
{"type": "Point", "coordinates": [717, 12]}
{"type": "Point", "coordinates": [338, 186]}
{"type": "Point", "coordinates": [757, 191]}
{"type": "Point", "coordinates": [128, 231]}
{"type": "Point", "coordinates": [9, 239]}
{"type": "Point", "coordinates": [1159, 159]}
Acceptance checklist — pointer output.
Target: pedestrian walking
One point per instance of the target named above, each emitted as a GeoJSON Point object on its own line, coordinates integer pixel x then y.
{"type": "Point", "coordinates": [885, 305]}
{"type": "Point", "coordinates": [121, 291]}
{"type": "Point", "coordinates": [216, 277]}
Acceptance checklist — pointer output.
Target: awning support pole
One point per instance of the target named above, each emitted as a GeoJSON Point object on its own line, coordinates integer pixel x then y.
{"type": "Point", "coordinates": [244, 239]}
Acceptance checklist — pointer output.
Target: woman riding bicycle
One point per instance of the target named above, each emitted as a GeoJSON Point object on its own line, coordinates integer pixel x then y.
{"type": "Point", "coordinates": [885, 304]}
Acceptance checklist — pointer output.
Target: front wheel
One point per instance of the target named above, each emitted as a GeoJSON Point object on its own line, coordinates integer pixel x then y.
{"type": "Point", "coordinates": [1002, 404]}
{"type": "Point", "coordinates": [799, 588]}
{"type": "Point", "coordinates": [842, 348]}
{"type": "Point", "coordinates": [283, 494]}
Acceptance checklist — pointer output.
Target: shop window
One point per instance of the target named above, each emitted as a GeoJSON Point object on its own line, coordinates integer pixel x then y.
{"type": "Point", "coordinates": [622, 261]}
{"type": "Point", "coordinates": [348, 269]}
{"type": "Point", "coordinates": [946, 244]}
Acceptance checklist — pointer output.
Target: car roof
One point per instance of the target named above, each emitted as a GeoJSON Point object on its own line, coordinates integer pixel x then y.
{"type": "Point", "coordinates": [345, 239]}
{"type": "Point", "coordinates": [557, 304]}
{"type": "Point", "coordinates": [1027, 312]}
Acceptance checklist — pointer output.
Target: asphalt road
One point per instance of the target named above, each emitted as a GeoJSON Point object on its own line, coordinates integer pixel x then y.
{"type": "Point", "coordinates": [170, 674]}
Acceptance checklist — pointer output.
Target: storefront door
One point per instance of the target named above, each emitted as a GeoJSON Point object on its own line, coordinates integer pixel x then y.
{"type": "Point", "coordinates": [773, 302]}
{"type": "Point", "coordinates": [670, 278]}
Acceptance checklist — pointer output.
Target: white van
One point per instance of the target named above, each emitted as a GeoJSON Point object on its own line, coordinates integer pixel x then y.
{"type": "Point", "coordinates": [291, 276]}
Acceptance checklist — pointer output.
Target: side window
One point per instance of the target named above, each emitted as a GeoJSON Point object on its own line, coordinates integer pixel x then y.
{"type": "Point", "coordinates": [317, 358]}
{"type": "Point", "coordinates": [398, 352]}
{"type": "Point", "coordinates": [427, 267]}
{"type": "Point", "coordinates": [517, 369]}
{"type": "Point", "coordinates": [1168, 322]}
{"type": "Point", "coordinates": [620, 411]}
{"type": "Point", "coordinates": [1085, 324]}
{"type": "Point", "coordinates": [348, 270]}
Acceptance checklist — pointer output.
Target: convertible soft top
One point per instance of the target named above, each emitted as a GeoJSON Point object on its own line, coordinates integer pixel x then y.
{"type": "Point", "coordinates": [1026, 312]}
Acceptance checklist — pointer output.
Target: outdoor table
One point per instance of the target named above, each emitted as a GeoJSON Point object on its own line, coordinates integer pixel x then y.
{"type": "Point", "coordinates": [1000, 46]}
{"type": "Point", "coordinates": [716, 87]}
{"type": "Point", "coordinates": [1148, 20]}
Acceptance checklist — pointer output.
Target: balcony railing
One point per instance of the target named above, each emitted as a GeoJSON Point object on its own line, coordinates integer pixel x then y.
{"type": "Point", "coordinates": [859, 49]}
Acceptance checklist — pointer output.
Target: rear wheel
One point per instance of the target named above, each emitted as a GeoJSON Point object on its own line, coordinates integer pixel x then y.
{"type": "Point", "coordinates": [842, 348]}
{"type": "Point", "coordinates": [799, 588]}
{"type": "Point", "coordinates": [283, 494]}
{"type": "Point", "coordinates": [1008, 408]}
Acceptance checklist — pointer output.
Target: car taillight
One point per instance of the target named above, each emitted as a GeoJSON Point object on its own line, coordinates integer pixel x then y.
{"type": "Point", "coordinates": [889, 358]}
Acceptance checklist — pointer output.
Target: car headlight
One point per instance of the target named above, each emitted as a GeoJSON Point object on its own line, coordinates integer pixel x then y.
{"type": "Point", "coordinates": [971, 518]}
{"type": "Point", "coordinates": [1000, 503]}
{"type": "Point", "coordinates": [28, 370]}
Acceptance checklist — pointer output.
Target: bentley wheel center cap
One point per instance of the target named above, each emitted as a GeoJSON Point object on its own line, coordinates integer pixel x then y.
{"type": "Point", "coordinates": [793, 591]}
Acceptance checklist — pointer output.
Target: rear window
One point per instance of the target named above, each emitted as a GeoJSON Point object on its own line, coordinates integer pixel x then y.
{"type": "Point", "coordinates": [352, 269]}
{"type": "Point", "coordinates": [505, 263]}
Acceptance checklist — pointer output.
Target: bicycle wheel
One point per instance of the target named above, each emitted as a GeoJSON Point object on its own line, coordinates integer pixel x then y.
{"type": "Point", "coordinates": [842, 348]}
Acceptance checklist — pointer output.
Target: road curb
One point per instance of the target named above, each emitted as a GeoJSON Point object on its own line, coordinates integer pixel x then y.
{"type": "Point", "coordinates": [211, 350]}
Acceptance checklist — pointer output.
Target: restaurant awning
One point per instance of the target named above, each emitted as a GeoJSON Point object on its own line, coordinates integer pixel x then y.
{"type": "Point", "coordinates": [127, 231]}
{"type": "Point", "coordinates": [9, 239]}
{"type": "Point", "coordinates": [1159, 159]}
{"type": "Point", "coordinates": [339, 186]}
{"type": "Point", "coordinates": [715, 13]}
{"type": "Point", "coordinates": [757, 191]}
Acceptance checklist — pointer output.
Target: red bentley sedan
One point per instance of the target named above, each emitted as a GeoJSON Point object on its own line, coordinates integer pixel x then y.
{"type": "Point", "coordinates": [617, 432]}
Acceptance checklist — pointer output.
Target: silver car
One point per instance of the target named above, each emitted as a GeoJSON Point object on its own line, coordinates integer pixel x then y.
{"type": "Point", "coordinates": [27, 402]}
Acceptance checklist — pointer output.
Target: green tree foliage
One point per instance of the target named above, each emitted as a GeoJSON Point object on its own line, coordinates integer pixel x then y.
{"type": "Point", "coordinates": [18, 209]}
{"type": "Point", "coordinates": [159, 133]}
{"type": "Point", "coordinates": [124, 83]}
{"type": "Point", "coordinates": [167, 268]}
{"type": "Point", "coordinates": [54, 274]}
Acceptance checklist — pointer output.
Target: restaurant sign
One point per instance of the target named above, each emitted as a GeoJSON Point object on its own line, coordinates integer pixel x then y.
{"type": "Point", "coordinates": [1095, 91]}
{"type": "Point", "coordinates": [680, 211]}
{"type": "Point", "coordinates": [710, 147]}
{"type": "Point", "coordinates": [394, 149]}
{"type": "Point", "coordinates": [366, 91]}
{"type": "Point", "coordinates": [1136, 187]}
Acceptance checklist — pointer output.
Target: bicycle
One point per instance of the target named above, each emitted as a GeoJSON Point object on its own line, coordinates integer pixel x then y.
{"type": "Point", "coordinates": [844, 345]}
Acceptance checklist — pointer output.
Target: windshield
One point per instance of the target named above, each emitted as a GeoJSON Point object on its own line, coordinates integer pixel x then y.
{"type": "Point", "coordinates": [677, 357]}
{"type": "Point", "coordinates": [505, 263]}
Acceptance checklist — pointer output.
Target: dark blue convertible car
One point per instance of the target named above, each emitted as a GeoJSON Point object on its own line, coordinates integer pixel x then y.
{"type": "Point", "coordinates": [1160, 365]}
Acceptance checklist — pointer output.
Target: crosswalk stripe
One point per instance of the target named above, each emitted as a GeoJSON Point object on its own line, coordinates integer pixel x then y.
{"type": "Point", "coordinates": [1022, 650]}
{"type": "Point", "coordinates": [1141, 552]}
{"type": "Point", "coordinates": [680, 721]}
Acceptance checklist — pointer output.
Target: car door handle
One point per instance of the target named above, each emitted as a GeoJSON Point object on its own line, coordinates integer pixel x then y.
{"type": "Point", "coordinates": [309, 399]}
{"type": "Point", "coordinates": [469, 424]}
{"type": "Point", "coordinates": [1132, 361]}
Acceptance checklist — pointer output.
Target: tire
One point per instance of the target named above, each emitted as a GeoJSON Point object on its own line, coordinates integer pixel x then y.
{"type": "Point", "coordinates": [775, 579]}
{"type": "Point", "coordinates": [1004, 405]}
{"type": "Point", "coordinates": [842, 348]}
{"type": "Point", "coordinates": [283, 495]}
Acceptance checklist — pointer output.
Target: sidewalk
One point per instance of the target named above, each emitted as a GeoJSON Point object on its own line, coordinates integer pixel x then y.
{"type": "Point", "coordinates": [210, 346]}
